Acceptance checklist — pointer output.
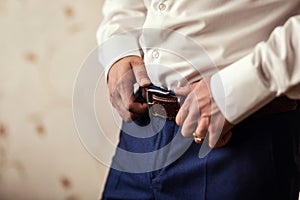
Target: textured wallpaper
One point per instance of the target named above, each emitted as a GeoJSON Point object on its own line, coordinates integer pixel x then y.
{"type": "Point", "coordinates": [42, 45]}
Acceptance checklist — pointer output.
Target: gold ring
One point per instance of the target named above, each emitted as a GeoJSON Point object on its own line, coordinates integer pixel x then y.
{"type": "Point", "coordinates": [198, 138]}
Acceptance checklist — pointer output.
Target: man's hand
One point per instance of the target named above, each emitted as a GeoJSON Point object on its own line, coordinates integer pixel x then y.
{"type": "Point", "coordinates": [121, 77]}
{"type": "Point", "coordinates": [200, 115]}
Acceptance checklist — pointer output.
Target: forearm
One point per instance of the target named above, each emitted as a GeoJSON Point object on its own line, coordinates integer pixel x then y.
{"type": "Point", "coordinates": [115, 35]}
{"type": "Point", "coordinates": [271, 70]}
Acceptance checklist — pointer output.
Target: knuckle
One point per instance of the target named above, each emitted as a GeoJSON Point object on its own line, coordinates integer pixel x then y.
{"type": "Point", "coordinates": [136, 61]}
{"type": "Point", "coordinates": [205, 116]}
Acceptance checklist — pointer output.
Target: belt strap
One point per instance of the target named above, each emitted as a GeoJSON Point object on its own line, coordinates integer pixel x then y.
{"type": "Point", "coordinates": [165, 104]}
{"type": "Point", "coordinates": [278, 105]}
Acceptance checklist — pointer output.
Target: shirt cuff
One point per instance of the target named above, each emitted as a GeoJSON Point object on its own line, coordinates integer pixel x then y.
{"type": "Point", "coordinates": [117, 47]}
{"type": "Point", "coordinates": [238, 90]}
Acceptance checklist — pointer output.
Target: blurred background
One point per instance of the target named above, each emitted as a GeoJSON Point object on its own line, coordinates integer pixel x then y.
{"type": "Point", "coordinates": [42, 46]}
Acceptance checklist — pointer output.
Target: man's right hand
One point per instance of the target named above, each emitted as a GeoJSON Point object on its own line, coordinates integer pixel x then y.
{"type": "Point", "coordinates": [121, 77]}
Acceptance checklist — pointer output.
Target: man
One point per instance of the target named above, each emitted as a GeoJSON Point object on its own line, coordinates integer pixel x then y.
{"type": "Point", "coordinates": [252, 128]}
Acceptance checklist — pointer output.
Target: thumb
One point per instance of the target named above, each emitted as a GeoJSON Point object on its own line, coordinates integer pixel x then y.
{"type": "Point", "coordinates": [183, 91]}
{"type": "Point", "coordinates": [140, 72]}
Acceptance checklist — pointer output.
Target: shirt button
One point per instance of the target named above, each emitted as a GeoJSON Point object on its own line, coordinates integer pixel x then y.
{"type": "Point", "coordinates": [162, 6]}
{"type": "Point", "coordinates": [155, 54]}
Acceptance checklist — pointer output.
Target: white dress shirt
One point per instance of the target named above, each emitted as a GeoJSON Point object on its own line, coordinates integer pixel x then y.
{"type": "Point", "coordinates": [254, 44]}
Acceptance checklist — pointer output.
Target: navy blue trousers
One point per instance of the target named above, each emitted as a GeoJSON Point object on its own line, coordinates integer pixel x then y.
{"type": "Point", "coordinates": [258, 163]}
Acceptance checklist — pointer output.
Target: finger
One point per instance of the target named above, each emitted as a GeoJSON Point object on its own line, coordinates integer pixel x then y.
{"type": "Point", "coordinates": [119, 106]}
{"type": "Point", "coordinates": [140, 72]}
{"type": "Point", "coordinates": [181, 115]}
{"type": "Point", "coordinates": [224, 139]}
{"type": "Point", "coordinates": [190, 122]}
{"type": "Point", "coordinates": [125, 87]}
{"type": "Point", "coordinates": [202, 128]}
{"type": "Point", "coordinates": [183, 91]}
{"type": "Point", "coordinates": [128, 115]}
{"type": "Point", "coordinates": [114, 97]}
{"type": "Point", "coordinates": [137, 107]}
{"type": "Point", "coordinates": [190, 103]}
{"type": "Point", "coordinates": [132, 110]}
{"type": "Point", "coordinates": [183, 112]}
{"type": "Point", "coordinates": [213, 138]}
{"type": "Point", "coordinates": [189, 126]}
{"type": "Point", "coordinates": [215, 130]}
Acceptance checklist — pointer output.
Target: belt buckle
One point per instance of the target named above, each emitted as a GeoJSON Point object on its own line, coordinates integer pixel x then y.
{"type": "Point", "coordinates": [161, 102]}
{"type": "Point", "coordinates": [151, 91]}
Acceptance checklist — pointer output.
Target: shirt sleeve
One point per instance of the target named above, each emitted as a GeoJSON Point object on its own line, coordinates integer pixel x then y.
{"type": "Point", "coordinates": [271, 70]}
{"type": "Point", "coordinates": [116, 36]}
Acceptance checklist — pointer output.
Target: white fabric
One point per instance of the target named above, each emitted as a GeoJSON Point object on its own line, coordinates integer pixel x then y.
{"type": "Point", "coordinates": [255, 44]}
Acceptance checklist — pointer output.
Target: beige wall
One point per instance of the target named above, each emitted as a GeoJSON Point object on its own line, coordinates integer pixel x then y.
{"type": "Point", "coordinates": [42, 45]}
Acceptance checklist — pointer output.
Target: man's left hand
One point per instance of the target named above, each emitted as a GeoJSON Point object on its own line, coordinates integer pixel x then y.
{"type": "Point", "coordinates": [199, 115]}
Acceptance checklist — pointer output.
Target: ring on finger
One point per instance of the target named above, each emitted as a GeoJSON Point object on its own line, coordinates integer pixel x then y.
{"type": "Point", "coordinates": [197, 138]}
